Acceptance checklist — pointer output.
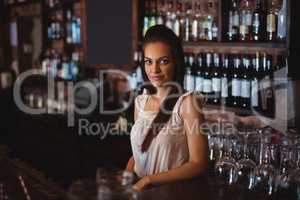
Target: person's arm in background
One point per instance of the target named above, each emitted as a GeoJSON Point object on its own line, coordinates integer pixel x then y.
{"type": "Point", "coordinates": [214, 116]}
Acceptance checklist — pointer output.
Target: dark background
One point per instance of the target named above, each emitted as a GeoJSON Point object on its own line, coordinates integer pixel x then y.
{"type": "Point", "coordinates": [109, 30]}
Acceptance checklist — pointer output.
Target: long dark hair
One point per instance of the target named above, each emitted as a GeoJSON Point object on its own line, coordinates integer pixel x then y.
{"type": "Point", "coordinates": [161, 33]}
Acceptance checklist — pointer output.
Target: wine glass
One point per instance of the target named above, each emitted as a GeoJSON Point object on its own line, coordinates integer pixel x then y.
{"type": "Point", "coordinates": [294, 175]}
{"type": "Point", "coordinates": [225, 167]}
{"type": "Point", "coordinates": [245, 166]}
{"type": "Point", "coordinates": [104, 190]}
{"type": "Point", "coordinates": [264, 172]}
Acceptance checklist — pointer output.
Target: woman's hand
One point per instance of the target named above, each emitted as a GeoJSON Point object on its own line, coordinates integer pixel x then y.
{"type": "Point", "coordinates": [142, 183]}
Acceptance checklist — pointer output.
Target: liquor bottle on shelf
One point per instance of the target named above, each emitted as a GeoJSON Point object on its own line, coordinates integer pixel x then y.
{"type": "Point", "coordinates": [75, 65]}
{"type": "Point", "coordinates": [224, 80]}
{"type": "Point", "coordinates": [169, 19]}
{"type": "Point", "coordinates": [52, 3]}
{"type": "Point", "coordinates": [245, 21]}
{"type": "Point", "coordinates": [146, 17]}
{"type": "Point", "coordinates": [208, 22]}
{"type": "Point", "coordinates": [45, 62]}
{"type": "Point", "coordinates": [255, 92]}
{"type": "Point", "coordinates": [189, 79]}
{"type": "Point", "coordinates": [207, 79]}
{"type": "Point", "coordinates": [257, 34]}
{"type": "Point", "coordinates": [246, 84]}
{"type": "Point", "coordinates": [59, 70]}
{"type": "Point", "coordinates": [234, 21]}
{"type": "Point", "coordinates": [215, 31]}
{"type": "Point", "coordinates": [76, 29]}
{"type": "Point", "coordinates": [65, 74]}
{"type": "Point", "coordinates": [199, 73]}
{"type": "Point", "coordinates": [268, 100]}
{"type": "Point", "coordinates": [216, 79]}
{"type": "Point", "coordinates": [236, 82]}
{"type": "Point", "coordinates": [195, 22]}
{"type": "Point", "coordinates": [153, 12]}
{"type": "Point", "coordinates": [187, 22]}
{"type": "Point", "coordinates": [282, 22]}
{"type": "Point", "coordinates": [271, 22]}
{"type": "Point", "coordinates": [55, 30]}
{"type": "Point", "coordinates": [69, 27]}
{"type": "Point", "coordinates": [176, 17]}
{"type": "Point", "coordinates": [160, 15]}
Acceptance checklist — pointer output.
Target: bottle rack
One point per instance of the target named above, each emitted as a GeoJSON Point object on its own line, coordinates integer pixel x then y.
{"type": "Point", "coordinates": [152, 9]}
{"type": "Point", "coordinates": [63, 37]}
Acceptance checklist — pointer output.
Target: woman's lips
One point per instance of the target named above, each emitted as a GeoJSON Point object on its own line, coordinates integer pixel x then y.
{"type": "Point", "coordinates": [156, 77]}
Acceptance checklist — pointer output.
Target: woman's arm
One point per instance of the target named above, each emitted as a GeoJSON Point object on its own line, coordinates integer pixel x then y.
{"type": "Point", "coordinates": [130, 163]}
{"type": "Point", "coordinates": [192, 116]}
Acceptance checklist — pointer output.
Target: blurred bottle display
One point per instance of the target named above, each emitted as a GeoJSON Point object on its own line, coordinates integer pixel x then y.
{"type": "Point", "coordinates": [61, 65]}
{"type": "Point", "coordinates": [241, 80]}
{"type": "Point", "coordinates": [68, 28]}
{"type": "Point", "coordinates": [257, 20]}
{"type": "Point", "coordinates": [189, 21]}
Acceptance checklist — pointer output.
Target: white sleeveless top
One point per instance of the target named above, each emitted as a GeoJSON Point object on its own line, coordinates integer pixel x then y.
{"type": "Point", "coordinates": [169, 149]}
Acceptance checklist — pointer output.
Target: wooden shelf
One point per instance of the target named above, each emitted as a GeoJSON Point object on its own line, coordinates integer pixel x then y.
{"type": "Point", "coordinates": [237, 111]}
{"type": "Point", "coordinates": [235, 46]}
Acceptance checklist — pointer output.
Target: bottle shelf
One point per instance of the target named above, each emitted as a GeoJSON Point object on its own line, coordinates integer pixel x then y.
{"type": "Point", "coordinates": [239, 46]}
{"type": "Point", "coordinates": [237, 111]}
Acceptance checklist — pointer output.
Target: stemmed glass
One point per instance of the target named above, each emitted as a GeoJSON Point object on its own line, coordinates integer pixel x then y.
{"type": "Point", "coordinates": [295, 178]}
{"type": "Point", "coordinates": [245, 166]}
{"type": "Point", "coordinates": [104, 190]}
{"type": "Point", "coordinates": [265, 171]}
{"type": "Point", "coordinates": [225, 167]}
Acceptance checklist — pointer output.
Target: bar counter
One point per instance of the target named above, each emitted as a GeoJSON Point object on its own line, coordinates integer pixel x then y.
{"type": "Point", "coordinates": [194, 189]}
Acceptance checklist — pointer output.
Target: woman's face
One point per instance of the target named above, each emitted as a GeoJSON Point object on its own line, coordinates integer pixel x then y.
{"type": "Point", "coordinates": [159, 63]}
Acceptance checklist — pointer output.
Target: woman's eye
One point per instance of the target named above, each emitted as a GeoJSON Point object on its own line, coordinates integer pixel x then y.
{"type": "Point", "coordinates": [148, 62]}
{"type": "Point", "coordinates": [164, 61]}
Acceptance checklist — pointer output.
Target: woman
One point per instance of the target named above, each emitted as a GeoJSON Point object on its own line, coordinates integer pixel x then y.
{"type": "Point", "coordinates": [166, 139]}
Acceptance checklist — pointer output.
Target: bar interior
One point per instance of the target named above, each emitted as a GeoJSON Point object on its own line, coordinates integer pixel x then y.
{"type": "Point", "coordinates": [72, 72]}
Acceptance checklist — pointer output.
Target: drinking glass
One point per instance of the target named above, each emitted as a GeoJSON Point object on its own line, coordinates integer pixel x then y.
{"type": "Point", "coordinates": [264, 172]}
{"type": "Point", "coordinates": [245, 166]}
{"type": "Point", "coordinates": [225, 168]}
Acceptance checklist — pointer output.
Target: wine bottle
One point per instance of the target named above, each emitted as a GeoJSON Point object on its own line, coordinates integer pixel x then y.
{"type": "Point", "coordinates": [195, 23]}
{"type": "Point", "coordinates": [199, 73]}
{"type": "Point", "coordinates": [281, 26]}
{"type": "Point", "coordinates": [189, 79]}
{"type": "Point", "coordinates": [216, 79]}
{"type": "Point", "coordinates": [207, 80]}
{"type": "Point", "coordinates": [245, 21]}
{"type": "Point", "coordinates": [271, 22]}
{"type": "Point", "coordinates": [224, 80]}
{"type": "Point", "coordinates": [234, 21]}
{"type": "Point", "coordinates": [153, 13]}
{"type": "Point", "coordinates": [245, 84]}
{"type": "Point", "coordinates": [160, 16]}
{"type": "Point", "coordinates": [236, 83]}
{"type": "Point", "coordinates": [256, 23]}
{"type": "Point", "coordinates": [255, 83]}
{"type": "Point", "coordinates": [187, 22]}
{"type": "Point", "coordinates": [146, 17]}
{"type": "Point", "coordinates": [176, 17]}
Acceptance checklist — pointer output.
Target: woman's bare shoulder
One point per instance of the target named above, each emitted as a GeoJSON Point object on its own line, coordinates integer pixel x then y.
{"type": "Point", "coordinates": [192, 103]}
